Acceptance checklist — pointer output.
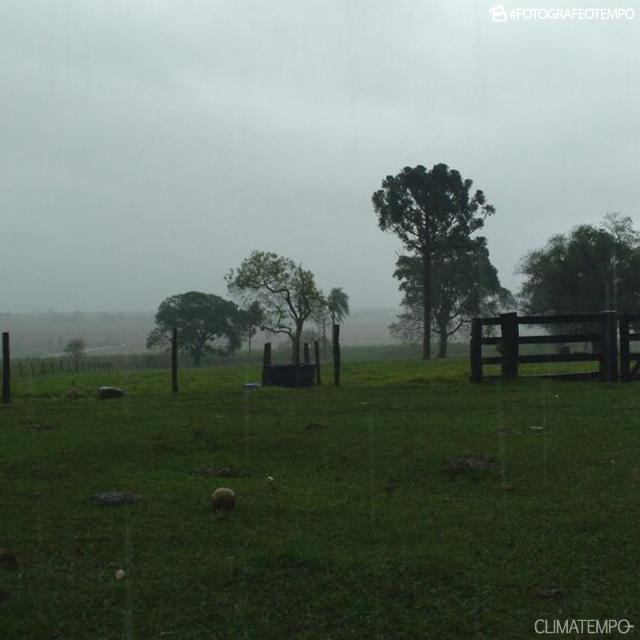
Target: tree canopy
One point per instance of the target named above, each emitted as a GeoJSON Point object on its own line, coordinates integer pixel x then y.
{"type": "Point", "coordinates": [206, 323]}
{"type": "Point", "coordinates": [75, 349]}
{"type": "Point", "coordinates": [463, 287]}
{"type": "Point", "coordinates": [286, 293]}
{"type": "Point", "coordinates": [338, 305]}
{"type": "Point", "coordinates": [587, 270]}
{"type": "Point", "coordinates": [434, 213]}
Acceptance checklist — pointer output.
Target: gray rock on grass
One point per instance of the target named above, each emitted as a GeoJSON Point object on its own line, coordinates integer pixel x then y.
{"type": "Point", "coordinates": [115, 497]}
{"type": "Point", "coordinates": [219, 472]}
{"type": "Point", "coordinates": [109, 392]}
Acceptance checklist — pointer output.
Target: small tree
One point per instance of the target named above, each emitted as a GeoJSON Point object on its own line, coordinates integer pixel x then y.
{"type": "Point", "coordinates": [286, 293]}
{"type": "Point", "coordinates": [336, 310]}
{"type": "Point", "coordinates": [75, 349]}
{"type": "Point", "coordinates": [463, 287]}
{"type": "Point", "coordinates": [206, 323]}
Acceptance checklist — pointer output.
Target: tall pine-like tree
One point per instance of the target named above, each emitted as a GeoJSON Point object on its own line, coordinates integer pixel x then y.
{"type": "Point", "coordinates": [434, 212]}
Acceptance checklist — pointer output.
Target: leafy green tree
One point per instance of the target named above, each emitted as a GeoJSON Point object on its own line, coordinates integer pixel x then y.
{"type": "Point", "coordinates": [588, 270]}
{"type": "Point", "coordinates": [286, 293]}
{"type": "Point", "coordinates": [206, 323]}
{"type": "Point", "coordinates": [76, 350]}
{"type": "Point", "coordinates": [462, 288]}
{"type": "Point", "coordinates": [434, 213]}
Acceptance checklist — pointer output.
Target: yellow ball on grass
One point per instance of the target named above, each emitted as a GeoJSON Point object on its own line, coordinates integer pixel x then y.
{"type": "Point", "coordinates": [223, 500]}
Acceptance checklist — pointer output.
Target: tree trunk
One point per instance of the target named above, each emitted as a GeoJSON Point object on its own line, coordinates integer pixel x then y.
{"type": "Point", "coordinates": [295, 356]}
{"type": "Point", "coordinates": [443, 340]}
{"type": "Point", "coordinates": [426, 311]}
{"type": "Point", "coordinates": [197, 357]}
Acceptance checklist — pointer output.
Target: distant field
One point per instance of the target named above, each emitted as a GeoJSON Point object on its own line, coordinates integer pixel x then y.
{"type": "Point", "coordinates": [122, 365]}
{"type": "Point", "coordinates": [146, 359]}
{"type": "Point", "coordinates": [44, 335]}
{"type": "Point", "coordinates": [363, 532]}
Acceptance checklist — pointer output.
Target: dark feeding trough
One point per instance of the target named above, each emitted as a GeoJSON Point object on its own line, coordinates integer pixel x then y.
{"type": "Point", "coordinates": [304, 374]}
{"type": "Point", "coordinates": [291, 375]}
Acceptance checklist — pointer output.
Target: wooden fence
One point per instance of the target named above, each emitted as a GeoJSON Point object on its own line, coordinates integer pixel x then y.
{"type": "Point", "coordinates": [627, 336]}
{"type": "Point", "coordinates": [509, 341]}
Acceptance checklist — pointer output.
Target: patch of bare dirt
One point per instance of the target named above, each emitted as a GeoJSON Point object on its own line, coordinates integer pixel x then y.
{"type": "Point", "coordinates": [115, 497]}
{"type": "Point", "coordinates": [468, 463]}
{"type": "Point", "coordinates": [219, 472]}
{"type": "Point", "coordinates": [315, 426]}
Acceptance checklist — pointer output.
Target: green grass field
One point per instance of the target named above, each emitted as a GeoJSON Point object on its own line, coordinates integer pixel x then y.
{"type": "Point", "coordinates": [363, 532]}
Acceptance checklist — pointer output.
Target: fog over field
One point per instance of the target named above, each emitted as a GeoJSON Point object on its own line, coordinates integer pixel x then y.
{"type": "Point", "coordinates": [148, 147]}
{"type": "Point", "coordinates": [122, 333]}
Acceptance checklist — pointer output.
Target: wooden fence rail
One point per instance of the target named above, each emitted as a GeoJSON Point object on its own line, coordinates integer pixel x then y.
{"type": "Point", "coordinates": [509, 342]}
{"type": "Point", "coordinates": [628, 334]}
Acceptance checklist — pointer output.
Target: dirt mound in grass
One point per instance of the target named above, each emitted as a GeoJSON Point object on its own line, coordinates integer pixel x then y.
{"type": "Point", "coordinates": [315, 426]}
{"type": "Point", "coordinates": [219, 472]}
{"type": "Point", "coordinates": [115, 497]}
{"type": "Point", "coordinates": [468, 463]}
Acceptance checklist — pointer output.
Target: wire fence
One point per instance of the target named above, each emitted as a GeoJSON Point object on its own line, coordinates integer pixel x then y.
{"type": "Point", "coordinates": [38, 348]}
{"type": "Point", "coordinates": [41, 353]}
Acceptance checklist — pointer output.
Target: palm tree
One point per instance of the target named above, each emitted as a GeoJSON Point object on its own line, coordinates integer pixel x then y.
{"type": "Point", "coordinates": [338, 305]}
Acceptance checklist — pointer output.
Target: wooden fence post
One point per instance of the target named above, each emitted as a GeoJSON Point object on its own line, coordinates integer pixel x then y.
{"type": "Point", "coordinates": [476, 350]}
{"type": "Point", "coordinates": [307, 353]}
{"type": "Point", "coordinates": [316, 349]}
{"type": "Point", "coordinates": [6, 369]}
{"type": "Point", "coordinates": [336, 354]}
{"type": "Point", "coordinates": [625, 370]}
{"type": "Point", "coordinates": [174, 360]}
{"type": "Point", "coordinates": [266, 363]}
{"type": "Point", "coordinates": [509, 344]}
{"type": "Point", "coordinates": [609, 358]}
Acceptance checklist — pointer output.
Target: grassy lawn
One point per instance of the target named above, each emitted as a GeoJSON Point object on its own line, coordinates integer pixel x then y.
{"type": "Point", "coordinates": [362, 533]}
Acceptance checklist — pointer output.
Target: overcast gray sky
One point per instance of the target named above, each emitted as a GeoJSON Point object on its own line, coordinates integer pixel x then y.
{"type": "Point", "coordinates": [148, 146]}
